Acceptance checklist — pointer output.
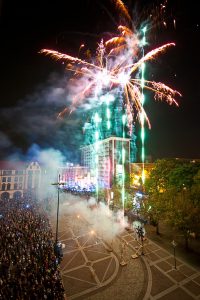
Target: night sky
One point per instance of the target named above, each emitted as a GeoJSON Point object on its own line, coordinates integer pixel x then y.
{"type": "Point", "coordinates": [33, 87]}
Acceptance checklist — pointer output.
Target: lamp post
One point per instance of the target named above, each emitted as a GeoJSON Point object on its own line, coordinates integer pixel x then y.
{"type": "Point", "coordinates": [174, 244]}
{"type": "Point", "coordinates": [57, 246]}
{"type": "Point", "coordinates": [58, 203]}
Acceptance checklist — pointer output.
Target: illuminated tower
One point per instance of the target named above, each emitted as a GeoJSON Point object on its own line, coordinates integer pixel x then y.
{"type": "Point", "coordinates": [115, 146]}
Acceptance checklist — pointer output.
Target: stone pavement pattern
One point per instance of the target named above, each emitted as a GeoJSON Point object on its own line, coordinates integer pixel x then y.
{"type": "Point", "coordinates": [89, 265]}
{"type": "Point", "coordinates": [167, 283]}
{"type": "Point", "coordinates": [91, 271]}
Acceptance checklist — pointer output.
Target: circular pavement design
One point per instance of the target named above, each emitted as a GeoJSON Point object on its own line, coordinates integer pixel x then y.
{"type": "Point", "coordinates": [87, 263]}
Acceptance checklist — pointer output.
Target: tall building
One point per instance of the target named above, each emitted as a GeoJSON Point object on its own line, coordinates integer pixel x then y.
{"type": "Point", "coordinates": [109, 141]}
{"type": "Point", "coordinates": [104, 159]}
{"type": "Point", "coordinates": [18, 179]}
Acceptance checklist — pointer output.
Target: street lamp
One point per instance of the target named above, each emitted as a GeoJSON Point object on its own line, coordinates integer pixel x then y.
{"type": "Point", "coordinates": [58, 203]}
{"type": "Point", "coordinates": [174, 244]}
{"type": "Point", "coordinates": [58, 246]}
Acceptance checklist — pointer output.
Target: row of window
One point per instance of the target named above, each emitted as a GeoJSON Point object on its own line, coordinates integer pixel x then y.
{"type": "Point", "coordinates": [19, 178]}
{"type": "Point", "coordinates": [18, 181]}
{"type": "Point", "coordinates": [7, 187]}
{"type": "Point", "coordinates": [9, 179]}
{"type": "Point", "coordinates": [15, 172]}
{"type": "Point", "coordinates": [12, 172]}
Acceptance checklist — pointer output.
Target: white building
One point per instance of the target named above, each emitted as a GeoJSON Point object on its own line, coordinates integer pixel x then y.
{"type": "Point", "coordinates": [18, 179]}
{"type": "Point", "coordinates": [108, 159]}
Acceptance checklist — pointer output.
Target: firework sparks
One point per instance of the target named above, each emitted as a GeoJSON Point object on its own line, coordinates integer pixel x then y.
{"type": "Point", "coordinates": [115, 69]}
{"type": "Point", "coordinates": [108, 73]}
{"type": "Point", "coordinates": [122, 9]}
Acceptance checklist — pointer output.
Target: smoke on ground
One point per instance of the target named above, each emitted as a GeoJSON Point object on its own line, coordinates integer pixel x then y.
{"type": "Point", "coordinates": [105, 222]}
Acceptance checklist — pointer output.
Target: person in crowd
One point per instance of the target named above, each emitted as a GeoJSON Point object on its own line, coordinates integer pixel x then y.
{"type": "Point", "coordinates": [28, 265]}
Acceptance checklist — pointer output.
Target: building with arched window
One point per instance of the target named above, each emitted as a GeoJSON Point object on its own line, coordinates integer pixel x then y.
{"type": "Point", "coordinates": [18, 179]}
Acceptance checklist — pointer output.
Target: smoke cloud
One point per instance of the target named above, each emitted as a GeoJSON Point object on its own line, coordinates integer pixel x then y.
{"type": "Point", "coordinates": [106, 223]}
{"type": "Point", "coordinates": [33, 120]}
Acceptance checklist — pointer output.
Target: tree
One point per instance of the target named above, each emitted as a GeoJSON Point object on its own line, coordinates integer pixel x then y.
{"type": "Point", "coordinates": [159, 177]}
{"type": "Point", "coordinates": [183, 175]}
{"type": "Point", "coordinates": [183, 214]}
{"type": "Point", "coordinates": [195, 189]}
{"type": "Point", "coordinates": [173, 188]}
{"type": "Point", "coordinates": [156, 185]}
{"type": "Point", "coordinates": [171, 173]}
{"type": "Point", "coordinates": [154, 208]}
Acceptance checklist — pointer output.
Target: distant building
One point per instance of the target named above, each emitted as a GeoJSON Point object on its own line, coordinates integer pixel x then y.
{"type": "Point", "coordinates": [18, 179]}
{"type": "Point", "coordinates": [75, 175]}
{"type": "Point", "coordinates": [106, 159]}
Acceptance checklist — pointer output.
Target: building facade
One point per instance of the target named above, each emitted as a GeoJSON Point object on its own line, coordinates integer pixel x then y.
{"type": "Point", "coordinates": [107, 159]}
{"type": "Point", "coordinates": [19, 179]}
{"type": "Point", "coordinates": [76, 176]}
{"type": "Point", "coordinates": [111, 119]}
{"type": "Point", "coordinates": [109, 140]}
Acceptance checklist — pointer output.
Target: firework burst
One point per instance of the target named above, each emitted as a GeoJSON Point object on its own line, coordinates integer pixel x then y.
{"type": "Point", "coordinates": [115, 69]}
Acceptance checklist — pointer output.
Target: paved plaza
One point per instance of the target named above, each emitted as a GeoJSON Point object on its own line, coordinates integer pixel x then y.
{"type": "Point", "coordinates": [94, 269]}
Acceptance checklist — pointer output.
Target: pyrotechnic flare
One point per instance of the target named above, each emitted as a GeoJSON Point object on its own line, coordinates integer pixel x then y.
{"type": "Point", "coordinates": [115, 68]}
{"type": "Point", "coordinates": [122, 9]}
{"type": "Point", "coordinates": [110, 71]}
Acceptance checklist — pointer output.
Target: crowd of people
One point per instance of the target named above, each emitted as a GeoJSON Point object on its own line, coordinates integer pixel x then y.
{"type": "Point", "coordinates": [28, 266]}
